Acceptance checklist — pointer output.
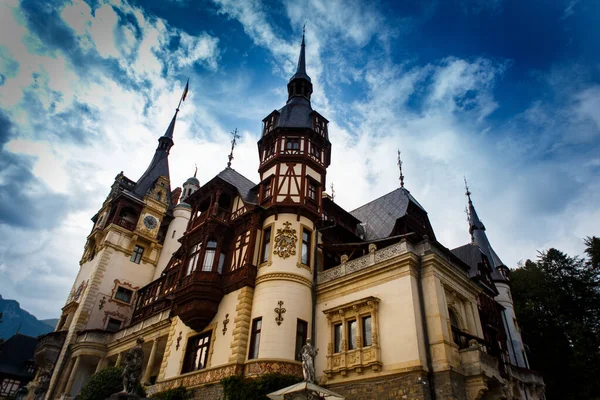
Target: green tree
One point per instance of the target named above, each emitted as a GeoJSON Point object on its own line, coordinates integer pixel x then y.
{"type": "Point", "coordinates": [557, 301]}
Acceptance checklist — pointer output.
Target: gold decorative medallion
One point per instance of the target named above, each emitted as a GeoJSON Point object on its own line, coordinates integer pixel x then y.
{"type": "Point", "coordinates": [285, 241]}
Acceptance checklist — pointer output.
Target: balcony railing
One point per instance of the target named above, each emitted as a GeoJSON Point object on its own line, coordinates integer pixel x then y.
{"type": "Point", "coordinates": [130, 226]}
{"type": "Point", "coordinates": [217, 213]}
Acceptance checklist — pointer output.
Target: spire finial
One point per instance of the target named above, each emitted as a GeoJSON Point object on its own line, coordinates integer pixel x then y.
{"type": "Point", "coordinates": [467, 191]}
{"type": "Point", "coordinates": [196, 170]}
{"type": "Point", "coordinates": [235, 136]}
{"type": "Point", "coordinates": [400, 167]}
{"type": "Point", "coordinates": [332, 192]}
{"type": "Point", "coordinates": [303, 32]}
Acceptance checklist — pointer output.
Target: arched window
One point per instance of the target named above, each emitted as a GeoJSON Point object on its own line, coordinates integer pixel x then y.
{"type": "Point", "coordinates": [209, 255]}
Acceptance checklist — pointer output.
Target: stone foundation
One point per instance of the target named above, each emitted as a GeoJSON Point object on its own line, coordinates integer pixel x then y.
{"type": "Point", "coordinates": [449, 386]}
{"type": "Point", "coordinates": [396, 387]}
{"type": "Point", "coordinates": [208, 392]}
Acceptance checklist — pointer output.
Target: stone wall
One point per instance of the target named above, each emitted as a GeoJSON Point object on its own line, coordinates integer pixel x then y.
{"type": "Point", "coordinates": [404, 387]}
{"type": "Point", "coordinates": [449, 386]}
{"type": "Point", "coordinates": [212, 392]}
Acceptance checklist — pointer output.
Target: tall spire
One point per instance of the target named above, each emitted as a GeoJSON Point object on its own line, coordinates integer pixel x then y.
{"type": "Point", "coordinates": [400, 167]}
{"type": "Point", "coordinates": [479, 237]}
{"type": "Point", "coordinates": [159, 166]}
{"type": "Point", "coordinates": [300, 83]}
{"type": "Point", "coordinates": [235, 135]}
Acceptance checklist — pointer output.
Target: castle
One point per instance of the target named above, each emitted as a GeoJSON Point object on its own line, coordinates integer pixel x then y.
{"type": "Point", "coordinates": [231, 277]}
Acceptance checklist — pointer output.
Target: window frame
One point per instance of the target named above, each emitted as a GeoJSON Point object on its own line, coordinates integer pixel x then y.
{"type": "Point", "coordinates": [108, 321]}
{"type": "Point", "coordinates": [255, 333]}
{"type": "Point", "coordinates": [300, 338]}
{"type": "Point", "coordinates": [312, 186]}
{"type": "Point", "coordinates": [125, 289]}
{"type": "Point", "coordinates": [308, 243]}
{"type": "Point", "coordinates": [193, 254]}
{"type": "Point", "coordinates": [213, 250]}
{"type": "Point", "coordinates": [207, 344]}
{"type": "Point", "coordinates": [264, 255]}
{"type": "Point", "coordinates": [345, 355]}
{"type": "Point", "coordinates": [364, 332]}
{"type": "Point", "coordinates": [136, 256]}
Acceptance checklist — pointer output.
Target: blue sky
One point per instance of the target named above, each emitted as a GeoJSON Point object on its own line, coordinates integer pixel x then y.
{"type": "Point", "coordinates": [505, 92]}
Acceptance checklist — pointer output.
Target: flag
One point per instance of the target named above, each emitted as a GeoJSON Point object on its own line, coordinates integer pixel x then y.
{"type": "Point", "coordinates": [185, 92]}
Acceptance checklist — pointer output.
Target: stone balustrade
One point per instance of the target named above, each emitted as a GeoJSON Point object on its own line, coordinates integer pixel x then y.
{"type": "Point", "coordinates": [156, 318]}
{"type": "Point", "coordinates": [374, 257]}
{"type": "Point", "coordinates": [94, 336]}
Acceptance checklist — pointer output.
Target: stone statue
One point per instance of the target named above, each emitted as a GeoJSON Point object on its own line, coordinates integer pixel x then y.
{"type": "Point", "coordinates": [133, 367]}
{"type": "Point", "coordinates": [308, 361]}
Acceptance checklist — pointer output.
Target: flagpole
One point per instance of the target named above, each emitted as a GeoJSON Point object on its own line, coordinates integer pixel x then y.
{"type": "Point", "coordinates": [183, 94]}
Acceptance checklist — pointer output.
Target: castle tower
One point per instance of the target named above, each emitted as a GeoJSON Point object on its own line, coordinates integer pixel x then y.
{"type": "Point", "coordinates": [121, 255]}
{"type": "Point", "coordinates": [500, 278]}
{"type": "Point", "coordinates": [294, 153]}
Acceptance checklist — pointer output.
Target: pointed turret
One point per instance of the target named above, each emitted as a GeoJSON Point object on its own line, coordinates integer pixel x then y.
{"type": "Point", "coordinates": [300, 83]}
{"type": "Point", "coordinates": [159, 166]}
{"type": "Point", "coordinates": [479, 238]}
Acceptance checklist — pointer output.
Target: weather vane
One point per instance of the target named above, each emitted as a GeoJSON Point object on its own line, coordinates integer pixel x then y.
{"type": "Point", "coordinates": [468, 192]}
{"type": "Point", "coordinates": [235, 136]}
{"type": "Point", "coordinates": [332, 192]}
{"type": "Point", "coordinates": [196, 170]}
{"type": "Point", "coordinates": [400, 167]}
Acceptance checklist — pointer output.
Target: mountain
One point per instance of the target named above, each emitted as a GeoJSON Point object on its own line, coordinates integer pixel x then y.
{"type": "Point", "coordinates": [51, 321]}
{"type": "Point", "coordinates": [14, 316]}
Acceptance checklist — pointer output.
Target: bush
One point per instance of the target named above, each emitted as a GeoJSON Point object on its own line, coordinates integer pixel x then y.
{"type": "Point", "coordinates": [179, 393]}
{"type": "Point", "coordinates": [238, 388]}
{"type": "Point", "coordinates": [104, 383]}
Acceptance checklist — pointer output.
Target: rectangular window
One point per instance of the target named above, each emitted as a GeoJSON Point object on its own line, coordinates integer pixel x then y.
{"type": "Point", "coordinates": [255, 338]}
{"type": "Point", "coordinates": [196, 353]}
{"type": "Point", "coordinates": [193, 258]}
{"type": "Point", "coordinates": [292, 144]}
{"type": "Point", "coordinates": [136, 257]}
{"type": "Point", "coordinates": [315, 151]}
{"type": "Point", "coordinates": [301, 335]}
{"type": "Point", "coordinates": [312, 190]}
{"type": "Point", "coordinates": [124, 294]}
{"type": "Point", "coordinates": [305, 258]}
{"type": "Point", "coordinates": [9, 387]}
{"type": "Point", "coordinates": [268, 188]}
{"type": "Point", "coordinates": [337, 338]}
{"type": "Point", "coordinates": [367, 331]}
{"type": "Point", "coordinates": [264, 254]}
{"type": "Point", "coordinates": [209, 256]}
{"type": "Point", "coordinates": [113, 325]}
{"type": "Point", "coordinates": [352, 335]}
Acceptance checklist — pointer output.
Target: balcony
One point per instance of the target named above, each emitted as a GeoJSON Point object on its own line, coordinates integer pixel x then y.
{"type": "Point", "coordinates": [216, 213]}
{"type": "Point", "coordinates": [96, 336]}
{"type": "Point", "coordinates": [48, 347]}
{"type": "Point", "coordinates": [123, 223]}
{"type": "Point", "coordinates": [197, 298]}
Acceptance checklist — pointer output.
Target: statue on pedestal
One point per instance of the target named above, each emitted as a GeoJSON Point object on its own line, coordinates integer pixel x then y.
{"type": "Point", "coordinates": [133, 367]}
{"type": "Point", "coordinates": [308, 361]}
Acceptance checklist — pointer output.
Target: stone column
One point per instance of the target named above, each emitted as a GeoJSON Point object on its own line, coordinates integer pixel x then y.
{"type": "Point", "coordinates": [101, 364]}
{"type": "Point", "coordinates": [72, 376]}
{"type": "Point", "coordinates": [151, 360]}
{"type": "Point", "coordinates": [118, 362]}
{"type": "Point", "coordinates": [62, 380]}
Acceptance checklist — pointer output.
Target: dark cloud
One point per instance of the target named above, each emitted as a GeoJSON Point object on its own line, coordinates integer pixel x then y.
{"type": "Point", "coordinates": [25, 201]}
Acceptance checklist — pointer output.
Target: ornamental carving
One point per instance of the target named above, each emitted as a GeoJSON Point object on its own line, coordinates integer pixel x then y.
{"type": "Point", "coordinates": [285, 241]}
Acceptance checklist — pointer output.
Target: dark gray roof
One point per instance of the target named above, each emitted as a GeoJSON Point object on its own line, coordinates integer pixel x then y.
{"type": "Point", "coordinates": [479, 237]}
{"type": "Point", "coordinates": [159, 166]}
{"type": "Point", "coordinates": [471, 255]}
{"type": "Point", "coordinates": [241, 183]}
{"type": "Point", "coordinates": [14, 354]}
{"type": "Point", "coordinates": [380, 215]}
{"type": "Point", "coordinates": [296, 114]}
{"type": "Point", "coordinates": [193, 180]}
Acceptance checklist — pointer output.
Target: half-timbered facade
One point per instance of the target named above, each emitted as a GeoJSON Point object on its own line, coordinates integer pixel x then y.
{"type": "Point", "coordinates": [234, 277]}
